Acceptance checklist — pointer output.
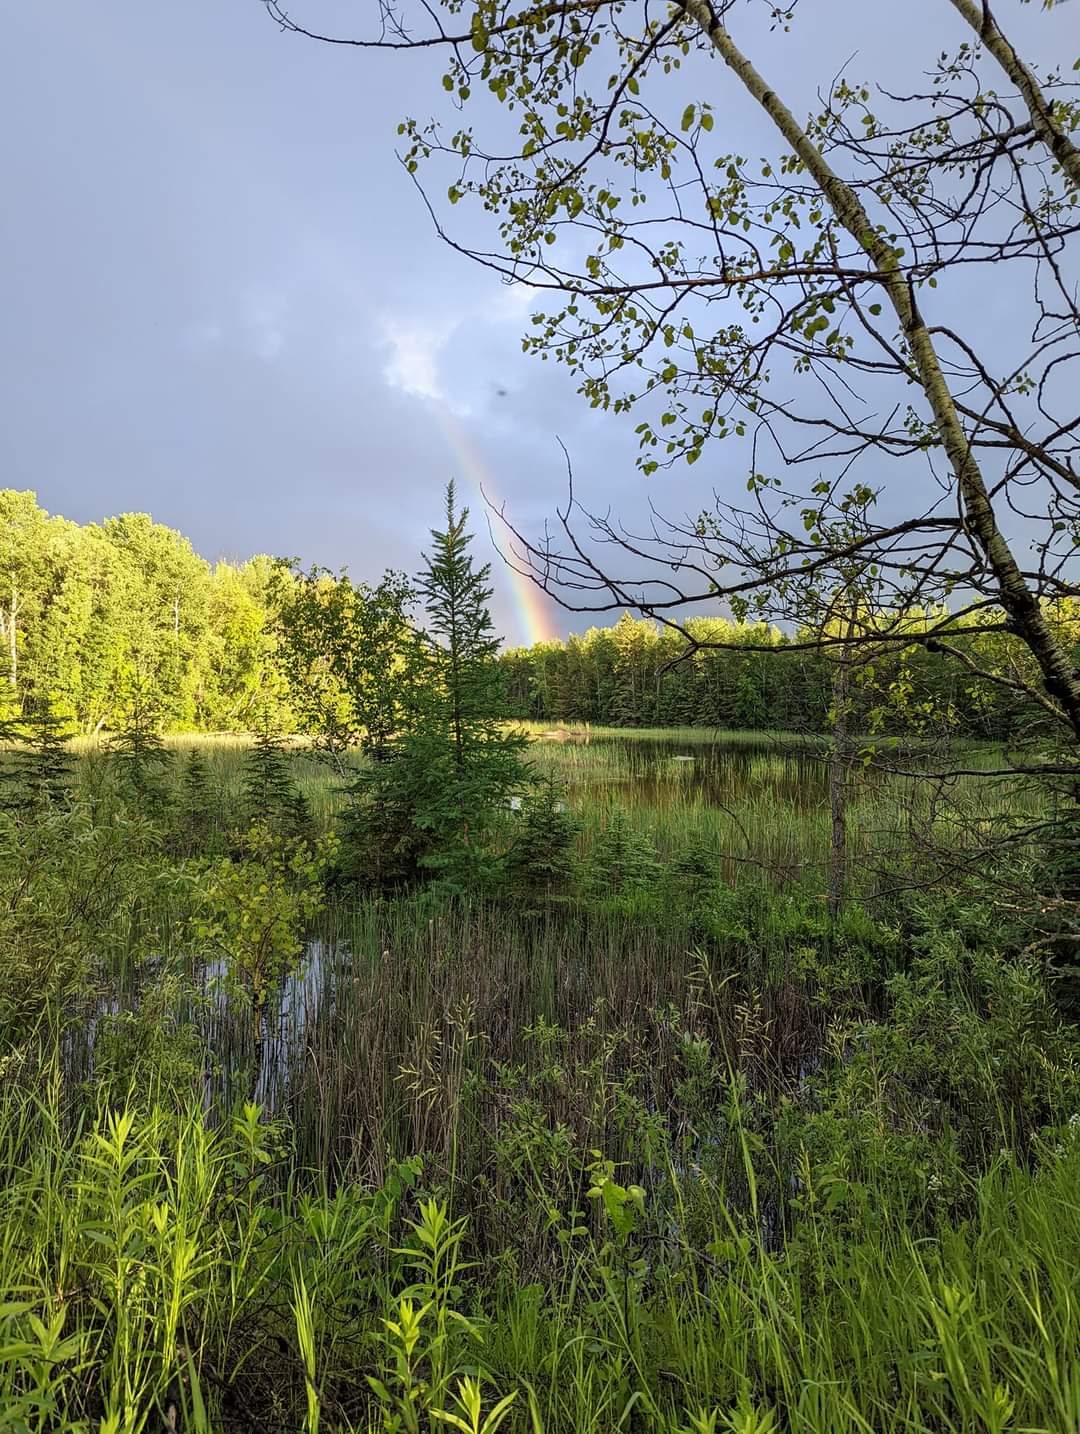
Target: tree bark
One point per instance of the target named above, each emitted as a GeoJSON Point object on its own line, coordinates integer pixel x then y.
{"type": "Point", "coordinates": [839, 760]}
{"type": "Point", "coordinates": [1025, 613]}
{"type": "Point", "coordinates": [1040, 110]}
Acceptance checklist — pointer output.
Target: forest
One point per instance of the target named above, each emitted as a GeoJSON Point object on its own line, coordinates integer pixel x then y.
{"type": "Point", "coordinates": [90, 614]}
{"type": "Point", "coordinates": [670, 1029]}
{"type": "Point", "coordinates": [87, 611]}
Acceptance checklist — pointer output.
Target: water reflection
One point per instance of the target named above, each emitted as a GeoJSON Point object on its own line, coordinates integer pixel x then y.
{"type": "Point", "coordinates": [665, 773]}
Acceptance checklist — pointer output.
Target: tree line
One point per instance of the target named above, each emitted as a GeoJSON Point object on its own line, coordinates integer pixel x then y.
{"type": "Point", "coordinates": [397, 684]}
{"type": "Point", "coordinates": [97, 617]}
{"type": "Point", "coordinates": [92, 614]}
{"type": "Point", "coordinates": [713, 672]}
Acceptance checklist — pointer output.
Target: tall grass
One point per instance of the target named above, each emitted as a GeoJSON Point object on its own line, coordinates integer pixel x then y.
{"type": "Point", "coordinates": [667, 1152]}
{"type": "Point", "coordinates": [155, 1265]}
{"type": "Point", "coordinates": [754, 804]}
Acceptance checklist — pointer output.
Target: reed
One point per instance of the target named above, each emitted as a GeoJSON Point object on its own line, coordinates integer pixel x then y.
{"type": "Point", "coordinates": [160, 1269]}
{"type": "Point", "coordinates": [668, 1150]}
{"type": "Point", "coordinates": [753, 804]}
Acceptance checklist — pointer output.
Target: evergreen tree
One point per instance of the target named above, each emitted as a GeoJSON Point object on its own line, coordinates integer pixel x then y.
{"type": "Point", "coordinates": [269, 795]}
{"type": "Point", "coordinates": [623, 857]}
{"type": "Point", "coordinates": [540, 859]}
{"type": "Point", "coordinates": [749, 697]}
{"type": "Point", "coordinates": [434, 803]}
{"type": "Point", "coordinates": [138, 755]}
{"type": "Point", "coordinates": [198, 806]}
{"type": "Point", "coordinates": [38, 773]}
{"type": "Point", "coordinates": [461, 643]}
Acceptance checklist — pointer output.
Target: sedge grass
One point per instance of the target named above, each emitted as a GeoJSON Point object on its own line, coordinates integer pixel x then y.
{"type": "Point", "coordinates": [150, 1257]}
{"type": "Point", "coordinates": [170, 1242]}
{"type": "Point", "coordinates": [756, 804]}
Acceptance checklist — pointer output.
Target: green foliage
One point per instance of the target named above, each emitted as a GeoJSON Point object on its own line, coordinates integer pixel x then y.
{"type": "Point", "coordinates": [269, 796]}
{"type": "Point", "coordinates": [677, 1149]}
{"type": "Point", "coordinates": [420, 814]}
{"type": "Point", "coordinates": [348, 654]}
{"type": "Point", "coordinates": [622, 1204]}
{"type": "Point", "coordinates": [973, 1029]}
{"type": "Point", "coordinates": [85, 610]}
{"type": "Point", "coordinates": [37, 774]}
{"type": "Point", "coordinates": [138, 755]}
{"type": "Point", "coordinates": [152, 1053]}
{"type": "Point", "coordinates": [79, 901]}
{"type": "Point", "coordinates": [255, 911]}
{"type": "Point", "coordinates": [1053, 924]}
{"type": "Point", "coordinates": [436, 800]}
{"type": "Point", "coordinates": [237, 664]}
{"type": "Point", "coordinates": [100, 609]}
{"type": "Point", "coordinates": [136, 1261]}
{"type": "Point", "coordinates": [624, 857]}
{"type": "Point", "coordinates": [427, 1336]}
{"type": "Point", "coordinates": [772, 271]}
{"type": "Point", "coordinates": [636, 674]}
{"type": "Point", "coordinates": [149, 1254]}
{"type": "Point", "coordinates": [198, 808]}
{"type": "Point", "coordinates": [541, 859]}
{"type": "Point", "coordinates": [755, 1172]}
{"type": "Point", "coordinates": [461, 641]}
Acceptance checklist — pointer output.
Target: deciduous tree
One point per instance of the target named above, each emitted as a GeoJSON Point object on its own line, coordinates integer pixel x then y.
{"type": "Point", "coordinates": [815, 305]}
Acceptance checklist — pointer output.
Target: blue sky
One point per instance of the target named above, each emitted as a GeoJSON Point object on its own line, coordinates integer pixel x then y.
{"type": "Point", "coordinates": [223, 302]}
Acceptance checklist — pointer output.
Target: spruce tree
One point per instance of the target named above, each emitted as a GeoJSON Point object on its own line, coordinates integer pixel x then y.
{"type": "Point", "coordinates": [270, 796]}
{"type": "Point", "coordinates": [138, 755]}
{"type": "Point", "coordinates": [461, 642]}
{"type": "Point", "coordinates": [433, 805]}
{"type": "Point", "coordinates": [198, 809]}
{"type": "Point", "coordinates": [39, 771]}
{"type": "Point", "coordinates": [540, 859]}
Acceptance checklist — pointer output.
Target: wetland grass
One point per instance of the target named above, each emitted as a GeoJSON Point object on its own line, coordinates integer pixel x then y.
{"type": "Point", "coordinates": [668, 1151]}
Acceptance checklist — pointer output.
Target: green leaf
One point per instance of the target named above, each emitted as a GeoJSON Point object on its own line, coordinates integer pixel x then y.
{"type": "Point", "coordinates": [688, 118]}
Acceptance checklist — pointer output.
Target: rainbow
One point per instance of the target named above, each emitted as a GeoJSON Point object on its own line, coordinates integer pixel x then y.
{"type": "Point", "coordinates": [534, 615]}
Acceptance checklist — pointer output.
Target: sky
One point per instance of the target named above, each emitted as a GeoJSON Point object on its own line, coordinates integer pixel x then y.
{"type": "Point", "coordinates": [223, 302]}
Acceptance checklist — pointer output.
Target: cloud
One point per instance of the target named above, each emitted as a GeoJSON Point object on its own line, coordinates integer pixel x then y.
{"type": "Point", "coordinates": [415, 347]}
{"type": "Point", "coordinates": [460, 358]}
{"type": "Point", "coordinates": [515, 302]}
{"type": "Point", "coordinates": [263, 322]}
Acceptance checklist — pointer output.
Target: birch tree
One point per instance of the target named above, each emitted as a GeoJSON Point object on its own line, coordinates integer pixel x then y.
{"type": "Point", "coordinates": [25, 573]}
{"type": "Point", "coordinates": [816, 306]}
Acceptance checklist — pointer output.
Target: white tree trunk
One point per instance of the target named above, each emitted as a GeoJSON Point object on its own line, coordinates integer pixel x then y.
{"type": "Point", "coordinates": [1040, 110]}
{"type": "Point", "coordinates": [1061, 679]}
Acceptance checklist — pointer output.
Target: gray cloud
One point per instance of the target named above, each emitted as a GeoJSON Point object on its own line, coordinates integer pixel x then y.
{"type": "Point", "coordinates": [213, 270]}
